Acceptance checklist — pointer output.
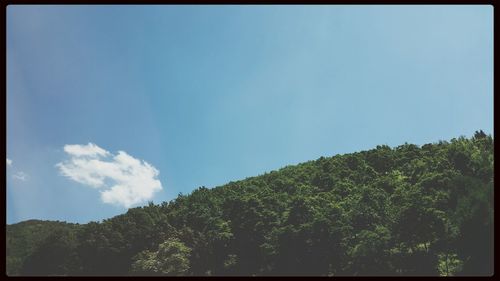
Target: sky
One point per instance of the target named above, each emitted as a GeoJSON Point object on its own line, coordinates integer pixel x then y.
{"type": "Point", "coordinates": [110, 107]}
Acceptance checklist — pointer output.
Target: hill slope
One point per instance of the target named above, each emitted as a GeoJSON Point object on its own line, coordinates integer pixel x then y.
{"type": "Point", "coordinates": [24, 237]}
{"type": "Point", "coordinates": [407, 210]}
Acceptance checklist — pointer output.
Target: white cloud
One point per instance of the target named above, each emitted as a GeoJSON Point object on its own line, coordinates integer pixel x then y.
{"type": "Point", "coordinates": [90, 150]}
{"type": "Point", "coordinates": [122, 179]}
{"type": "Point", "coordinates": [9, 162]}
{"type": "Point", "coordinates": [22, 176]}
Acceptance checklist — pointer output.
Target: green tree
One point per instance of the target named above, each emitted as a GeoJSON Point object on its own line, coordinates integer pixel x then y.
{"type": "Point", "coordinates": [54, 256]}
{"type": "Point", "coordinates": [408, 210]}
{"type": "Point", "coordinates": [171, 258]}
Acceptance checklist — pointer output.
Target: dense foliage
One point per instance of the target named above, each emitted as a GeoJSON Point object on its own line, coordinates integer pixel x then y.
{"type": "Point", "coordinates": [407, 210]}
{"type": "Point", "coordinates": [26, 238]}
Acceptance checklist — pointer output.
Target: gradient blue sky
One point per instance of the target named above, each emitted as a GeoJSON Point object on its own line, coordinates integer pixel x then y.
{"type": "Point", "coordinates": [211, 94]}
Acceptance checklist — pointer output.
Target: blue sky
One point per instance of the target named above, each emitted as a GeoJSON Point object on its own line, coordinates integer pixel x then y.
{"type": "Point", "coordinates": [211, 94]}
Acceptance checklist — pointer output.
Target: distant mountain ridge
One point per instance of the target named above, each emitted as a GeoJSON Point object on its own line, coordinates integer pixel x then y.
{"type": "Point", "coordinates": [408, 210]}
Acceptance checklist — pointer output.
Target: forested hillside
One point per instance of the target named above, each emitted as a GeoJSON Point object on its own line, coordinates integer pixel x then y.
{"type": "Point", "coordinates": [406, 210]}
{"type": "Point", "coordinates": [24, 237]}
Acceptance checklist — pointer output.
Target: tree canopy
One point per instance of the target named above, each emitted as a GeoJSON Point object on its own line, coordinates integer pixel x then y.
{"type": "Point", "coordinates": [407, 210]}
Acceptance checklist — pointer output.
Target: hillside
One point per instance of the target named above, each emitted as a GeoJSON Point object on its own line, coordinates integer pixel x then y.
{"type": "Point", "coordinates": [407, 210]}
{"type": "Point", "coordinates": [24, 237]}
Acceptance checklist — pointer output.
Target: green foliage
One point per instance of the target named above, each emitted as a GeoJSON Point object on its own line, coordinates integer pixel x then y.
{"type": "Point", "coordinates": [25, 237]}
{"type": "Point", "coordinates": [171, 258]}
{"type": "Point", "coordinates": [407, 210]}
{"type": "Point", "coordinates": [55, 255]}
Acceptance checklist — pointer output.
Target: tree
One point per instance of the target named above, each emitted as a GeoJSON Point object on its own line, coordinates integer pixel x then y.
{"type": "Point", "coordinates": [407, 210]}
{"type": "Point", "coordinates": [171, 258]}
{"type": "Point", "coordinates": [371, 254]}
{"type": "Point", "coordinates": [54, 256]}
